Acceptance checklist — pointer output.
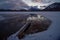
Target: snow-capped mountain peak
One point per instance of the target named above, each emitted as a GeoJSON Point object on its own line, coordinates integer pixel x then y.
{"type": "Point", "coordinates": [39, 5]}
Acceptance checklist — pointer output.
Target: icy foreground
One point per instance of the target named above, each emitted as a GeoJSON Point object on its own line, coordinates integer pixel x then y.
{"type": "Point", "coordinates": [52, 33]}
{"type": "Point", "coordinates": [38, 23]}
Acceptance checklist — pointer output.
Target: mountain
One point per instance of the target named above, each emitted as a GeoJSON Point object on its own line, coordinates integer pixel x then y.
{"type": "Point", "coordinates": [34, 8]}
{"type": "Point", "coordinates": [53, 7]}
{"type": "Point", "coordinates": [23, 7]}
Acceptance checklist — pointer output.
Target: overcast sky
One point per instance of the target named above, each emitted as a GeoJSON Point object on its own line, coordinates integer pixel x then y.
{"type": "Point", "coordinates": [17, 4]}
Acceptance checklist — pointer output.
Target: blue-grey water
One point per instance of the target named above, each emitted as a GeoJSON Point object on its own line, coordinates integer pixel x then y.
{"type": "Point", "coordinates": [53, 32]}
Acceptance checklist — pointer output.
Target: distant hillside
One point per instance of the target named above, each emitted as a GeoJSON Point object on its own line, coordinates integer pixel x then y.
{"type": "Point", "coordinates": [53, 7]}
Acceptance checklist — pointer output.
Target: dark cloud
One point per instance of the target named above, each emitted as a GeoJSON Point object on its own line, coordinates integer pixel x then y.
{"type": "Point", "coordinates": [17, 4]}
{"type": "Point", "coordinates": [12, 4]}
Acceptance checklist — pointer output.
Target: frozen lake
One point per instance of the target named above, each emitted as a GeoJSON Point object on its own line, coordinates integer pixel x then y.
{"type": "Point", "coordinates": [53, 32]}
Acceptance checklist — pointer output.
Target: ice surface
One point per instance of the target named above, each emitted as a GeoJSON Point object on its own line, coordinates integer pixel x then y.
{"type": "Point", "coordinates": [53, 32]}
